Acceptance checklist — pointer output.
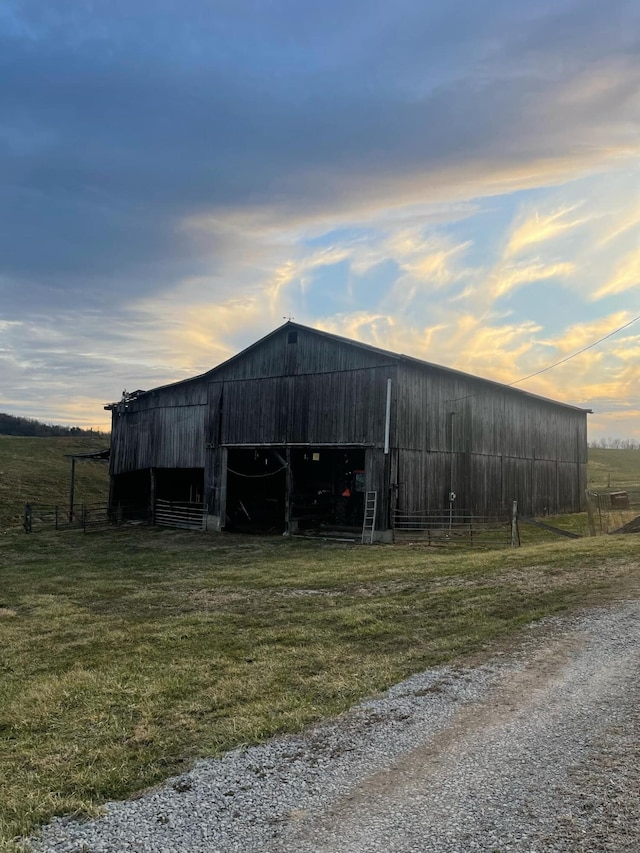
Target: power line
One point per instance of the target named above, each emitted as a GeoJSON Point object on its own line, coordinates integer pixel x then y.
{"type": "Point", "coordinates": [551, 366]}
{"type": "Point", "coordinates": [579, 352]}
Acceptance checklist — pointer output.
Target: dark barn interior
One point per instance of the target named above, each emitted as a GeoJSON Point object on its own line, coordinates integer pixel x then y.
{"type": "Point", "coordinates": [131, 493]}
{"type": "Point", "coordinates": [185, 485]}
{"type": "Point", "coordinates": [256, 484]}
{"type": "Point", "coordinates": [327, 488]}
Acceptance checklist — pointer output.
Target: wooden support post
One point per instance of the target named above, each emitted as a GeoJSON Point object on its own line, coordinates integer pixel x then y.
{"type": "Point", "coordinates": [222, 488]}
{"type": "Point", "coordinates": [600, 514]}
{"type": "Point", "coordinates": [514, 524]}
{"type": "Point", "coordinates": [72, 489]}
{"type": "Point", "coordinates": [152, 496]}
{"type": "Point", "coordinates": [288, 493]}
{"type": "Point", "coordinates": [215, 487]}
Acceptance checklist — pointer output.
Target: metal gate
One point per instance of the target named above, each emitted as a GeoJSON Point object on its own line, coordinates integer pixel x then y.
{"type": "Point", "coordinates": [448, 527]}
{"type": "Point", "coordinates": [188, 516]}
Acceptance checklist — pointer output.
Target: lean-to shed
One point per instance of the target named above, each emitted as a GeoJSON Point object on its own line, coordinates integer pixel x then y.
{"type": "Point", "coordinates": [295, 429]}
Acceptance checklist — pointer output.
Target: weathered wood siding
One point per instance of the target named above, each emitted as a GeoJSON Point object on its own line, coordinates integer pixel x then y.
{"type": "Point", "coordinates": [491, 445]}
{"type": "Point", "coordinates": [310, 354]}
{"type": "Point", "coordinates": [162, 429]}
{"type": "Point", "coordinates": [342, 408]}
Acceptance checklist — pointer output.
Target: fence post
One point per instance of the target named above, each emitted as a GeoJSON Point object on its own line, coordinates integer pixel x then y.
{"type": "Point", "coordinates": [28, 518]}
{"type": "Point", "coordinates": [592, 524]}
{"type": "Point", "coordinates": [514, 524]}
{"type": "Point", "coordinates": [72, 488]}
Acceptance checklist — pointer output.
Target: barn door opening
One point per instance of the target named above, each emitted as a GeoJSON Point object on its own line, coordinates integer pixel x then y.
{"type": "Point", "coordinates": [131, 495]}
{"type": "Point", "coordinates": [256, 483]}
{"type": "Point", "coordinates": [328, 487]}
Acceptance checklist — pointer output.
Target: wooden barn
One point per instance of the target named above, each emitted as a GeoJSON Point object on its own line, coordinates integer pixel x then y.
{"type": "Point", "coordinates": [294, 431]}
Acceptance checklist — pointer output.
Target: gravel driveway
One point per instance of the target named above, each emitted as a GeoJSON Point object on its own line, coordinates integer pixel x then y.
{"type": "Point", "coordinates": [535, 750]}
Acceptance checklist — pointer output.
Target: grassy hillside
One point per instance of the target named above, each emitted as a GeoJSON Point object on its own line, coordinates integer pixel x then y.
{"type": "Point", "coordinates": [38, 470]}
{"type": "Point", "coordinates": [619, 467]}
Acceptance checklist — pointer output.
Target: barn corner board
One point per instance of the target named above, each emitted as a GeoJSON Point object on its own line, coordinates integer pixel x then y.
{"type": "Point", "coordinates": [291, 433]}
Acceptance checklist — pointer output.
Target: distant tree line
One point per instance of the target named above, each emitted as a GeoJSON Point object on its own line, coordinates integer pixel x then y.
{"type": "Point", "coordinates": [616, 443]}
{"type": "Point", "coordinates": [12, 425]}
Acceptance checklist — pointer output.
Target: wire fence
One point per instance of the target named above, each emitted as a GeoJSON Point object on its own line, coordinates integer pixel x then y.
{"type": "Point", "coordinates": [609, 511]}
{"type": "Point", "coordinates": [39, 517]}
{"type": "Point", "coordinates": [613, 510]}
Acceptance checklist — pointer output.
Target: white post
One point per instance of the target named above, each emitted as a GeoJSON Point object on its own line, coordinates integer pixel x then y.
{"type": "Point", "coordinates": [387, 419]}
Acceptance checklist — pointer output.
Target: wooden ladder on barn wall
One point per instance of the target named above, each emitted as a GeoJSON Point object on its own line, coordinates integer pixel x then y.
{"type": "Point", "coordinates": [369, 522]}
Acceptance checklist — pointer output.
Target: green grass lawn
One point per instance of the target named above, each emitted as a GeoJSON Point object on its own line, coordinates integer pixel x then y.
{"type": "Point", "coordinates": [127, 654]}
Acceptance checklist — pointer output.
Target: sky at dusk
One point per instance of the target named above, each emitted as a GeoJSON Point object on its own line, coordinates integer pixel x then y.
{"type": "Point", "coordinates": [452, 179]}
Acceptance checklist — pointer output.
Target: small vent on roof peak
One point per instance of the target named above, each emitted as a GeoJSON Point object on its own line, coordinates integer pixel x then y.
{"type": "Point", "coordinates": [292, 337]}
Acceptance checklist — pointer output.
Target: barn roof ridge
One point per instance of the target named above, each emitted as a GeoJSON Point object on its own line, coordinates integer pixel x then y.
{"type": "Point", "coordinates": [362, 345]}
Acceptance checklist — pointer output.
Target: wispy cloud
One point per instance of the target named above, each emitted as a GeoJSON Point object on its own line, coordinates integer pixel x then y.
{"type": "Point", "coordinates": [510, 276]}
{"type": "Point", "coordinates": [625, 276]}
{"type": "Point", "coordinates": [538, 228]}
